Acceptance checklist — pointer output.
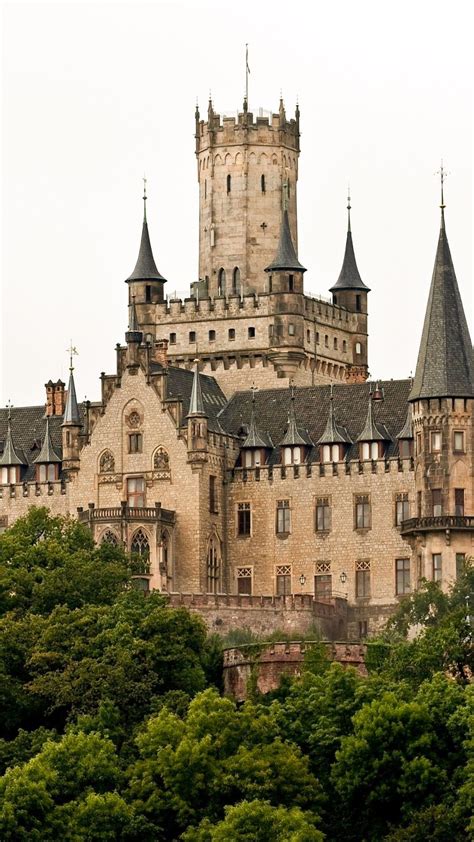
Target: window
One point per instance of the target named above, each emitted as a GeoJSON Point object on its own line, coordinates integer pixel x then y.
{"type": "Point", "coordinates": [436, 564]}
{"type": "Point", "coordinates": [192, 336]}
{"type": "Point", "coordinates": [243, 519]}
{"type": "Point", "coordinates": [437, 503]}
{"type": "Point", "coordinates": [283, 579]}
{"type": "Point", "coordinates": [362, 579]}
{"type": "Point", "coordinates": [140, 544]}
{"type": "Point", "coordinates": [221, 282]}
{"type": "Point", "coordinates": [308, 336]}
{"type": "Point", "coordinates": [291, 329]}
{"type": "Point", "coordinates": [459, 502]}
{"type": "Point", "coordinates": [344, 346]}
{"type": "Point", "coordinates": [330, 453]}
{"type": "Point", "coordinates": [270, 283]}
{"type": "Point", "coordinates": [213, 566]}
{"type": "Point", "coordinates": [253, 458]}
{"type": "Point", "coordinates": [236, 280]}
{"type": "Point", "coordinates": [323, 514]}
{"type": "Point", "coordinates": [291, 283]}
{"type": "Point", "coordinates": [46, 473]}
{"type": "Point", "coordinates": [317, 337]}
{"type": "Point", "coordinates": [363, 628]}
{"type": "Point", "coordinates": [369, 450]}
{"type": "Point", "coordinates": [405, 448]}
{"type": "Point", "coordinates": [212, 336]}
{"type": "Point", "coordinates": [458, 441]}
{"type": "Point", "coordinates": [136, 492]}
{"type": "Point", "coordinates": [283, 517]}
{"type": "Point", "coordinates": [109, 537]}
{"type": "Point", "coordinates": [418, 503]}
{"type": "Point", "coordinates": [323, 580]}
{"type": "Point", "coordinates": [358, 348]}
{"type": "Point", "coordinates": [435, 440]}
{"type": "Point", "coordinates": [148, 293]}
{"type": "Point", "coordinates": [334, 299]}
{"type": "Point", "coordinates": [229, 184]}
{"type": "Point", "coordinates": [402, 572]}
{"type": "Point", "coordinates": [460, 564]}
{"type": "Point", "coordinates": [335, 343]}
{"type": "Point", "coordinates": [262, 183]}
{"type": "Point", "coordinates": [419, 443]}
{"type": "Point", "coordinates": [292, 455]}
{"type": "Point", "coordinates": [402, 508]}
{"type": "Point", "coordinates": [135, 442]}
{"type": "Point", "coordinates": [231, 333]}
{"type": "Point", "coordinates": [172, 339]}
{"type": "Point", "coordinates": [358, 303]}
{"type": "Point", "coordinates": [244, 580]}
{"type": "Point", "coordinates": [205, 188]}
{"type": "Point", "coordinates": [326, 341]}
{"type": "Point", "coordinates": [9, 475]}
{"type": "Point", "coordinates": [251, 333]}
{"type": "Point", "coordinates": [362, 511]}
{"type": "Point", "coordinates": [213, 494]}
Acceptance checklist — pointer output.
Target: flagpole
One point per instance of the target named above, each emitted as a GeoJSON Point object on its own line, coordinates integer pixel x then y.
{"type": "Point", "coordinates": [247, 72]}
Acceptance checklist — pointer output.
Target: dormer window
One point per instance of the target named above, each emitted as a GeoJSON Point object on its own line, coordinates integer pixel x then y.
{"type": "Point", "coordinates": [46, 473]}
{"type": "Point", "coordinates": [293, 455]}
{"type": "Point", "coordinates": [371, 450]}
{"type": "Point", "coordinates": [10, 475]}
{"type": "Point", "coordinates": [331, 453]}
{"type": "Point", "coordinates": [253, 458]}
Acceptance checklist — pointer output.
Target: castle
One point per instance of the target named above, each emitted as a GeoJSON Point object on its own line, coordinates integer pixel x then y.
{"type": "Point", "coordinates": [238, 450]}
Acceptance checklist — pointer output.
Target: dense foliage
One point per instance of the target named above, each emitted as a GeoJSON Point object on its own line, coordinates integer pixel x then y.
{"type": "Point", "coordinates": [113, 726]}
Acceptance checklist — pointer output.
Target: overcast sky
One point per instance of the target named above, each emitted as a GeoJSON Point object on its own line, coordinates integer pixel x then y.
{"type": "Point", "coordinates": [96, 94]}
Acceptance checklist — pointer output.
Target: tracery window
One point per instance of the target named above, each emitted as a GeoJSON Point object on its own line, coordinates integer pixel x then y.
{"type": "Point", "coordinates": [109, 537]}
{"type": "Point", "coordinates": [213, 566]}
{"type": "Point", "coordinates": [161, 460]}
{"type": "Point", "coordinates": [140, 544]}
{"type": "Point", "coordinates": [107, 462]}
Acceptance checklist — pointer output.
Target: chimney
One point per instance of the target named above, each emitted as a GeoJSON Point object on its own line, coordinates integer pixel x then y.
{"type": "Point", "coordinates": [161, 352]}
{"type": "Point", "coordinates": [55, 398]}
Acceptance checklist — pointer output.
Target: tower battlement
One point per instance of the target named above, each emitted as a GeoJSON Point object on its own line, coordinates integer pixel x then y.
{"type": "Point", "coordinates": [269, 128]}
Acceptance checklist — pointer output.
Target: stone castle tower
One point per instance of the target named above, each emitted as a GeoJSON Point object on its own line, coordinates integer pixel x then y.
{"type": "Point", "coordinates": [247, 172]}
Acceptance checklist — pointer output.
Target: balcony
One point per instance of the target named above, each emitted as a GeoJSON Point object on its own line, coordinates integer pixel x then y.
{"type": "Point", "coordinates": [129, 514]}
{"type": "Point", "coordinates": [441, 523]}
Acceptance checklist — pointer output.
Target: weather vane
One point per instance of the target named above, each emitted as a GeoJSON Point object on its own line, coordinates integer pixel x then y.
{"type": "Point", "coordinates": [144, 197]}
{"type": "Point", "coordinates": [73, 352]}
{"type": "Point", "coordinates": [443, 176]}
{"type": "Point", "coordinates": [9, 406]}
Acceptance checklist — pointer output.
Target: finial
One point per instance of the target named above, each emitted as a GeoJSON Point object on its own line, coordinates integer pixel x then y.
{"type": "Point", "coordinates": [73, 352]}
{"type": "Point", "coordinates": [331, 392]}
{"type": "Point", "coordinates": [253, 389]}
{"type": "Point", "coordinates": [292, 388]}
{"type": "Point", "coordinates": [144, 197]}
{"type": "Point", "coordinates": [9, 406]}
{"type": "Point", "coordinates": [348, 208]}
{"type": "Point", "coordinates": [442, 176]}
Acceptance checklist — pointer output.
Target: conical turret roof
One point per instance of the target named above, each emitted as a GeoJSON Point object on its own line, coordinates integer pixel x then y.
{"type": "Point", "coordinates": [196, 404]}
{"type": "Point", "coordinates": [349, 276]}
{"type": "Point", "coordinates": [145, 268]}
{"type": "Point", "coordinates": [285, 257]}
{"type": "Point", "coordinates": [445, 364]}
{"type": "Point", "coordinates": [294, 435]}
{"type": "Point", "coordinates": [47, 453]}
{"type": "Point", "coordinates": [10, 455]}
{"type": "Point", "coordinates": [333, 432]}
{"type": "Point", "coordinates": [72, 416]}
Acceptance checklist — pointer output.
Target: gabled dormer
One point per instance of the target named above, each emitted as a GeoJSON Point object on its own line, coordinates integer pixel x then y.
{"type": "Point", "coordinates": [374, 438]}
{"type": "Point", "coordinates": [11, 463]}
{"type": "Point", "coordinates": [257, 445]}
{"type": "Point", "coordinates": [47, 462]}
{"type": "Point", "coordinates": [335, 441]}
{"type": "Point", "coordinates": [296, 443]}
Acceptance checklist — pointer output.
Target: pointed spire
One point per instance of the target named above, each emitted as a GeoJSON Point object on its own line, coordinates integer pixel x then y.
{"type": "Point", "coordinates": [72, 417]}
{"type": "Point", "coordinates": [196, 404]}
{"type": "Point", "coordinates": [445, 365]}
{"type": "Point", "coordinates": [254, 438]}
{"type": "Point", "coordinates": [47, 454]}
{"type": "Point", "coordinates": [294, 434]}
{"type": "Point", "coordinates": [10, 455]}
{"type": "Point", "coordinates": [349, 277]}
{"type": "Point", "coordinates": [372, 430]}
{"type": "Point", "coordinates": [145, 268]}
{"type": "Point", "coordinates": [285, 258]}
{"type": "Point", "coordinates": [333, 433]}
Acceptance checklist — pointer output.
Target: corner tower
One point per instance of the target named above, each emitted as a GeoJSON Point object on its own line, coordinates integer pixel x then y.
{"type": "Point", "coordinates": [247, 172]}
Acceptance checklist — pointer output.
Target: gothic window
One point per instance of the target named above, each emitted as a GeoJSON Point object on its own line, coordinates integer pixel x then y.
{"type": "Point", "coordinates": [243, 519]}
{"type": "Point", "coordinates": [229, 183]}
{"type": "Point", "coordinates": [213, 566]}
{"type": "Point", "coordinates": [148, 293]}
{"type": "Point", "coordinates": [362, 511]}
{"type": "Point", "coordinates": [135, 443]}
{"type": "Point", "coordinates": [109, 537]}
{"type": "Point", "coordinates": [221, 282]}
{"type": "Point", "coordinates": [262, 183]}
{"type": "Point", "coordinates": [459, 502]}
{"type": "Point", "coordinates": [236, 280]}
{"type": "Point", "coordinates": [283, 517]}
{"type": "Point", "coordinates": [363, 578]}
{"type": "Point", "coordinates": [358, 348]}
{"type": "Point", "coordinates": [136, 492]}
{"type": "Point", "coordinates": [323, 514]}
{"type": "Point", "coordinates": [107, 463]}
{"type": "Point", "coordinates": [323, 580]}
{"type": "Point", "coordinates": [161, 460]}
{"type": "Point", "coordinates": [164, 553]}
{"type": "Point", "coordinates": [244, 580]}
{"type": "Point", "coordinates": [344, 346]}
{"type": "Point", "coordinates": [335, 343]}
{"type": "Point", "coordinates": [140, 544]}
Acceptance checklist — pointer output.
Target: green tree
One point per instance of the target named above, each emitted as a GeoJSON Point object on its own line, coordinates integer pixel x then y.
{"type": "Point", "coordinates": [258, 821]}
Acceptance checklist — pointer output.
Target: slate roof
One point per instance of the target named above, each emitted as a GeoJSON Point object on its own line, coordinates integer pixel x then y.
{"type": "Point", "coordinates": [333, 432]}
{"type": "Point", "coordinates": [407, 430]}
{"type": "Point", "coordinates": [145, 268]}
{"type": "Point", "coordinates": [28, 426]}
{"type": "Point", "coordinates": [349, 276]}
{"type": "Point", "coordinates": [72, 416]}
{"type": "Point", "coordinates": [445, 359]}
{"type": "Point", "coordinates": [180, 382]}
{"type": "Point", "coordinates": [294, 435]}
{"type": "Point", "coordinates": [47, 453]}
{"type": "Point", "coordinates": [196, 404]}
{"type": "Point", "coordinates": [285, 257]}
{"type": "Point", "coordinates": [312, 410]}
{"type": "Point", "coordinates": [255, 438]}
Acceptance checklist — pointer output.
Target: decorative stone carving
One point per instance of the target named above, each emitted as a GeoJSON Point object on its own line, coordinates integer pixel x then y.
{"type": "Point", "coordinates": [134, 419]}
{"type": "Point", "coordinates": [107, 463]}
{"type": "Point", "coordinates": [161, 460]}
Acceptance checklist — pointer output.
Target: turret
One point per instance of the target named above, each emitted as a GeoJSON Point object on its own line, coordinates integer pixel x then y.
{"type": "Point", "coordinates": [11, 462]}
{"type": "Point", "coordinates": [71, 426]}
{"type": "Point", "coordinates": [197, 421]}
{"type": "Point", "coordinates": [285, 272]}
{"type": "Point", "coordinates": [146, 283]}
{"type": "Point", "coordinates": [47, 462]}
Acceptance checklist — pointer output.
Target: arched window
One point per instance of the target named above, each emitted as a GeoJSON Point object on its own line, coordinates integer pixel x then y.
{"type": "Point", "coordinates": [140, 544]}
{"type": "Point", "coordinates": [262, 183]}
{"type": "Point", "coordinates": [236, 280]}
{"type": "Point", "coordinates": [109, 537]}
{"type": "Point", "coordinates": [221, 282]}
{"type": "Point", "coordinates": [107, 462]}
{"type": "Point", "coordinates": [213, 566]}
{"type": "Point", "coordinates": [229, 183]}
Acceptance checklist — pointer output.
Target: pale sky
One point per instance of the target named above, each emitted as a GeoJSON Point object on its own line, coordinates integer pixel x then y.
{"type": "Point", "coordinates": [96, 94]}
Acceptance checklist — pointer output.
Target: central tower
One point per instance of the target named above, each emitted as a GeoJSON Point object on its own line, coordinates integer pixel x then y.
{"type": "Point", "coordinates": [247, 173]}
